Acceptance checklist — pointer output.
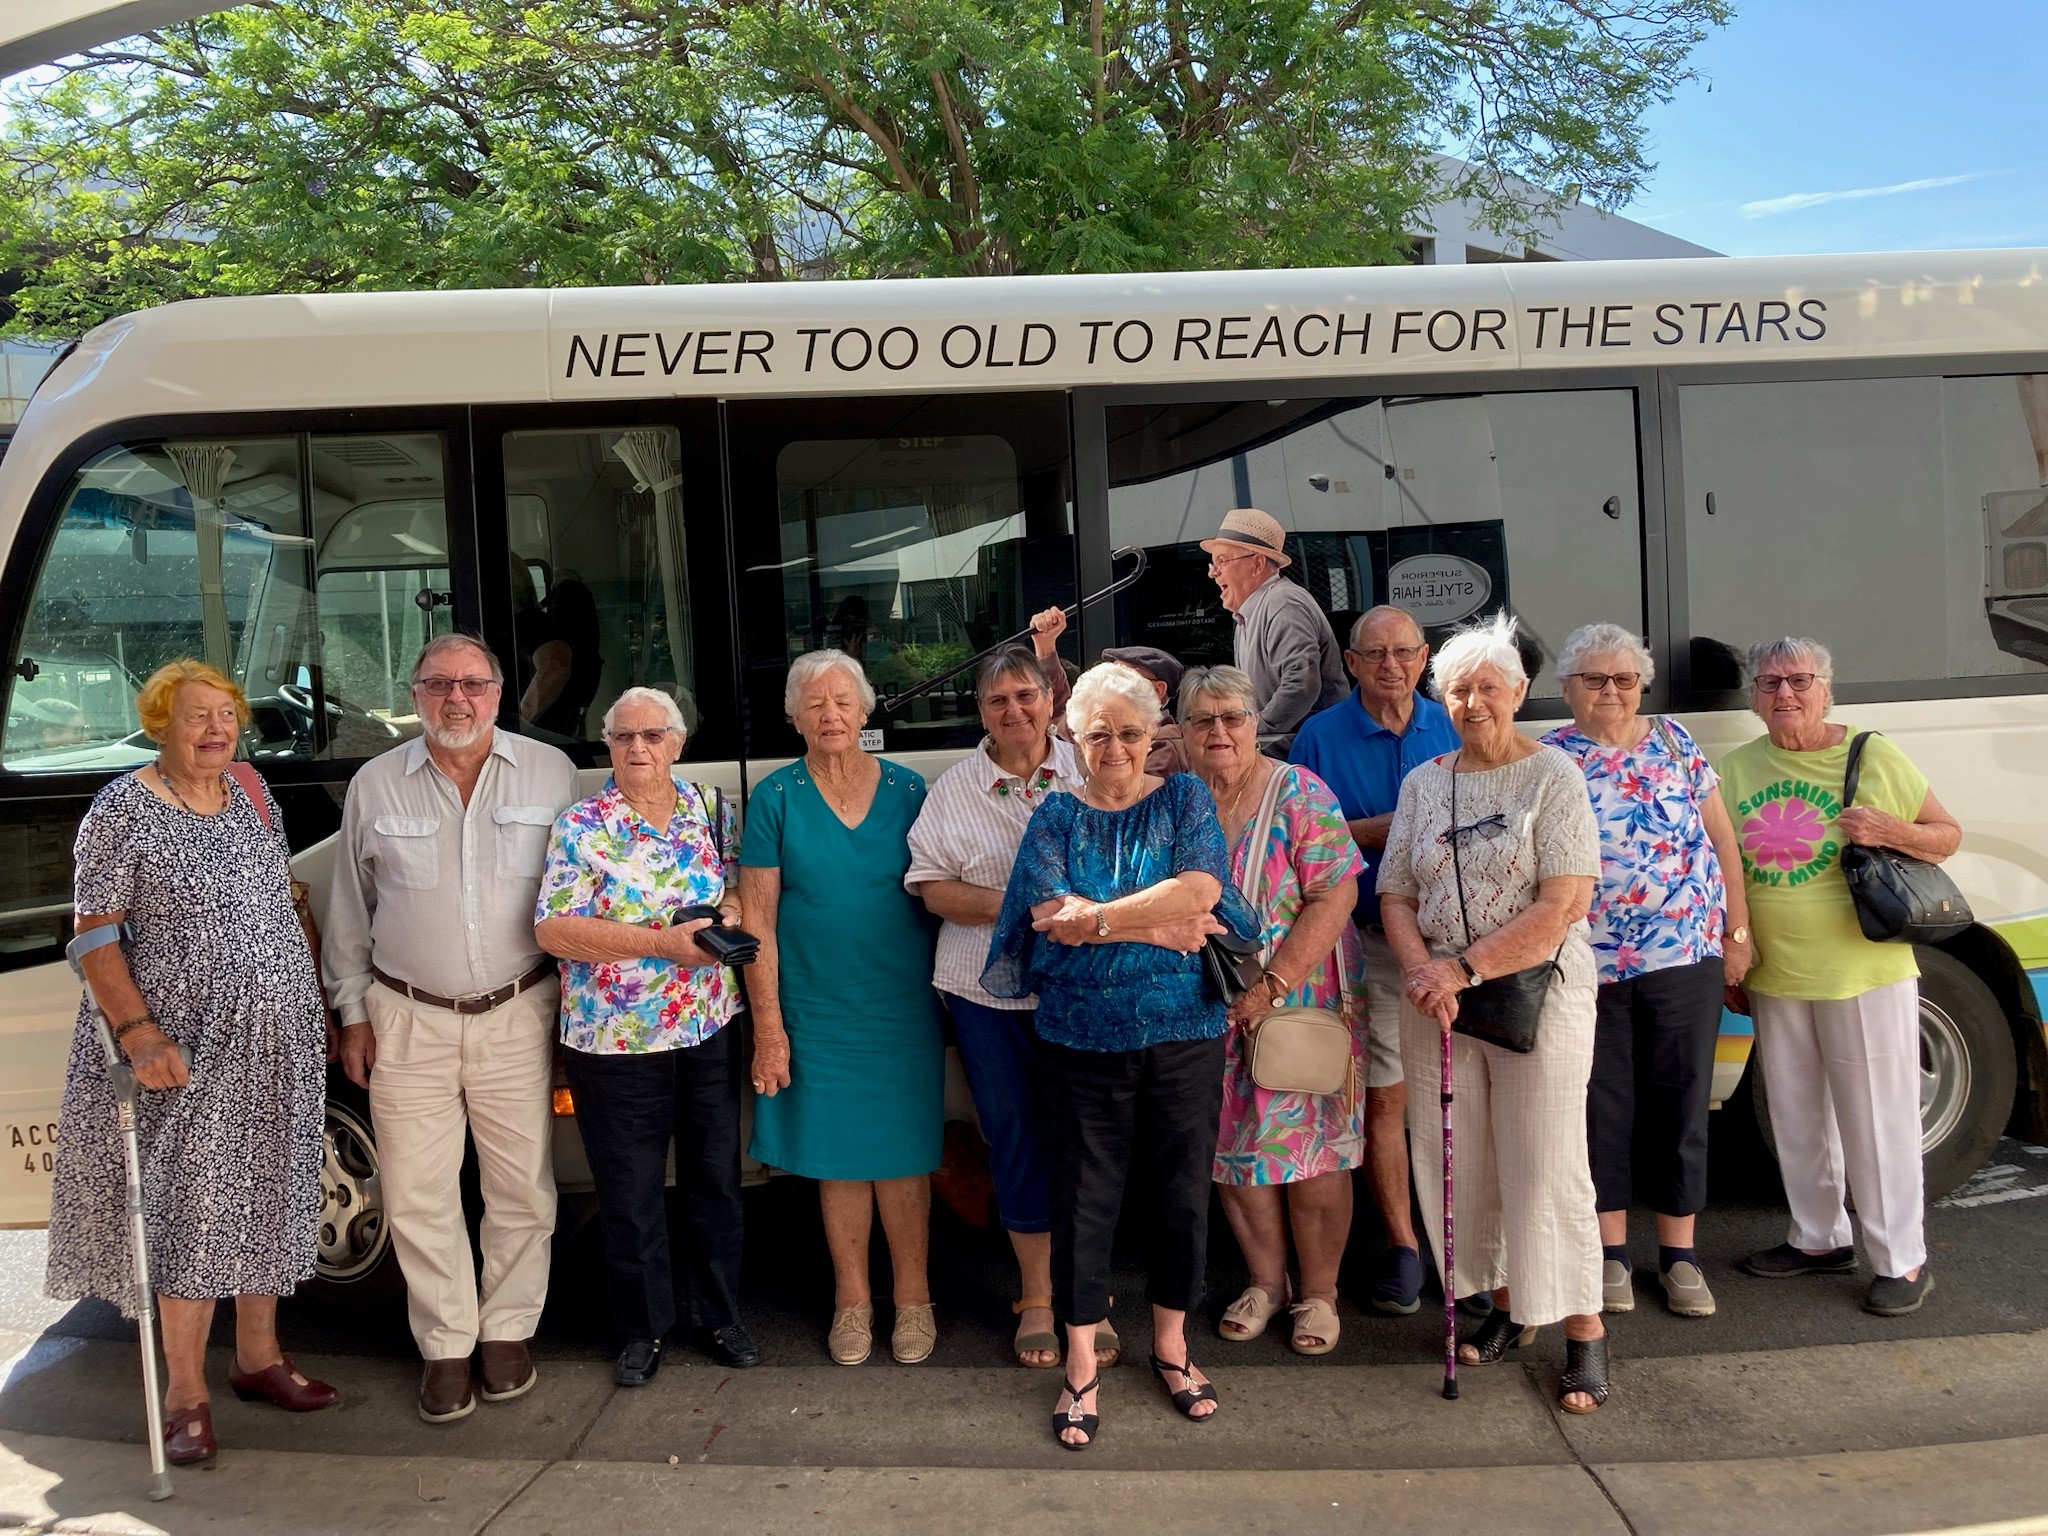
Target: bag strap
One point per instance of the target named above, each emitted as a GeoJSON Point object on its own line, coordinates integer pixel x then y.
{"type": "Point", "coordinates": [1255, 836]}
{"type": "Point", "coordinates": [1671, 746]}
{"type": "Point", "coordinates": [1850, 772]}
{"type": "Point", "coordinates": [1457, 864]}
{"type": "Point", "coordinates": [251, 781]}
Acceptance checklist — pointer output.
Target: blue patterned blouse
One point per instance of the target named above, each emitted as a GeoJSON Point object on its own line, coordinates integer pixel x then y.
{"type": "Point", "coordinates": [1114, 997]}
{"type": "Point", "coordinates": [1660, 901]}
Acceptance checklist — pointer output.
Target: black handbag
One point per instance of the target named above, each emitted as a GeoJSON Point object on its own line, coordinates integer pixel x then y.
{"type": "Point", "coordinates": [1231, 964]}
{"type": "Point", "coordinates": [1502, 1010]}
{"type": "Point", "coordinates": [1899, 899]}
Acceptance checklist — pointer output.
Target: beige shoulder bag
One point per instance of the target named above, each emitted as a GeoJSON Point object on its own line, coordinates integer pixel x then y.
{"type": "Point", "coordinates": [1291, 1050]}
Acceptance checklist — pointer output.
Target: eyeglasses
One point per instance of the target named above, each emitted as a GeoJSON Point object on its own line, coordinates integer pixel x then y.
{"type": "Point", "coordinates": [1769, 682]}
{"type": "Point", "coordinates": [1217, 562]}
{"type": "Point", "coordinates": [1023, 698]}
{"type": "Point", "coordinates": [1229, 719]}
{"type": "Point", "coordinates": [441, 687]}
{"type": "Point", "coordinates": [627, 738]}
{"type": "Point", "coordinates": [1130, 736]}
{"type": "Point", "coordinates": [1486, 826]}
{"type": "Point", "coordinates": [1625, 682]}
{"type": "Point", "coordinates": [1379, 653]}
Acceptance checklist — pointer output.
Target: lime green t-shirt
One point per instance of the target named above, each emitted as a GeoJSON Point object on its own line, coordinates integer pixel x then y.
{"type": "Point", "coordinates": [1784, 806]}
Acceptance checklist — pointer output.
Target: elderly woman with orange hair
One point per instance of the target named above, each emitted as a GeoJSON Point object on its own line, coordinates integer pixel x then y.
{"type": "Point", "coordinates": [214, 1000]}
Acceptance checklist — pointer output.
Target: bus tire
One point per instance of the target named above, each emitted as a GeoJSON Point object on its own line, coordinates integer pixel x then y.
{"type": "Point", "coordinates": [1968, 1072]}
{"type": "Point", "coordinates": [354, 1268]}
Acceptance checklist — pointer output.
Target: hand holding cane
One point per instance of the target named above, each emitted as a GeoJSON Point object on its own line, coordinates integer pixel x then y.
{"type": "Point", "coordinates": [122, 1076]}
{"type": "Point", "coordinates": [1450, 1263]}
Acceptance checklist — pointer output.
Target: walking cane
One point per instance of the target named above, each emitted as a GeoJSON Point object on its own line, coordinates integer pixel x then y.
{"type": "Point", "coordinates": [1450, 1264]}
{"type": "Point", "coordinates": [122, 1076]}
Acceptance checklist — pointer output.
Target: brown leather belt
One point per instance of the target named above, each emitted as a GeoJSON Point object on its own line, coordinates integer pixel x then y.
{"type": "Point", "coordinates": [483, 1002]}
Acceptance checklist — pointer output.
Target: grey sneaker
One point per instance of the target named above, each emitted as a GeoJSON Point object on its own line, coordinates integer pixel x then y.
{"type": "Point", "coordinates": [1685, 1290]}
{"type": "Point", "coordinates": [1617, 1287]}
{"type": "Point", "coordinates": [1895, 1295]}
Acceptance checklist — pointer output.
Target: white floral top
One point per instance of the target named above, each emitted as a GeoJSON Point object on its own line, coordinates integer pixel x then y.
{"type": "Point", "coordinates": [605, 860]}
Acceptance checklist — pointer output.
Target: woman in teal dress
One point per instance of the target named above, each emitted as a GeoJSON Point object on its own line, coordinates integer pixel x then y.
{"type": "Point", "coordinates": [848, 1057]}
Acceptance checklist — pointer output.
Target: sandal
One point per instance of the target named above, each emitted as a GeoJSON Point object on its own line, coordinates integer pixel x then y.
{"type": "Point", "coordinates": [1042, 1342]}
{"type": "Point", "coordinates": [1494, 1338]}
{"type": "Point", "coordinates": [1315, 1321]}
{"type": "Point", "coordinates": [1074, 1418]}
{"type": "Point", "coordinates": [1585, 1370]}
{"type": "Point", "coordinates": [1187, 1397]}
{"type": "Point", "coordinates": [1109, 1348]}
{"type": "Point", "coordinates": [1246, 1318]}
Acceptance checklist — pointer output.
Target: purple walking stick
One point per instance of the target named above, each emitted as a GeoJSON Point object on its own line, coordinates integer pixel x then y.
{"type": "Point", "coordinates": [1450, 1265]}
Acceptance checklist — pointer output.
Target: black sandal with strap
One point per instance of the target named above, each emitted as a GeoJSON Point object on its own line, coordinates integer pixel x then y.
{"type": "Point", "coordinates": [1188, 1396]}
{"type": "Point", "coordinates": [1074, 1418]}
{"type": "Point", "coordinates": [1493, 1338]}
{"type": "Point", "coordinates": [1585, 1370]}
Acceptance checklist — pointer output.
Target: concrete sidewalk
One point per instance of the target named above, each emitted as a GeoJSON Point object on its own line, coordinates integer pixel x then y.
{"type": "Point", "coordinates": [1866, 1438]}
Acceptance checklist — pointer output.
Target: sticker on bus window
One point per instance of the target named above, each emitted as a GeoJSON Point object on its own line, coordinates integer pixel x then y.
{"type": "Point", "coordinates": [871, 740]}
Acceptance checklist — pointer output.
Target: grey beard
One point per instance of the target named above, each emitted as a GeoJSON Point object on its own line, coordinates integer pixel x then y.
{"type": "Point", "coordinates": [455, 741]}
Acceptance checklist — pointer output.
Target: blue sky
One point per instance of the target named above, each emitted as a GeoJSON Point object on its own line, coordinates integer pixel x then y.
{"type": "Point", "coordinates": [1859, 125]}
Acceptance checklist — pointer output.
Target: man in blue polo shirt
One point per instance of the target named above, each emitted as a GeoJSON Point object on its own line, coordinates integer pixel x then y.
{"type": "Point", "coordinates": [1363, 748]}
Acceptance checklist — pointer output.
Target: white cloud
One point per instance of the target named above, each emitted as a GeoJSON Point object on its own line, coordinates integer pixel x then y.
{"type": "Point", "coordinates": [1801, 200]}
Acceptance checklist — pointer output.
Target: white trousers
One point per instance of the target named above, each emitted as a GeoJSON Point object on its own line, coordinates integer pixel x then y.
{"type": "Point", "coordinates": [438, 1071]}
{"type": "Point", "coordinates": [1844, 1081]}
{"type": "Point", "coordinates": [1525, 1207]}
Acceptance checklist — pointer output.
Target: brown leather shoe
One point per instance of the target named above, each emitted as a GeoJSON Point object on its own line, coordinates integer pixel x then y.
{"type": "Point", "coordinates": [283, 1385]}
{"type": "Point", "coordinates": [444, 1391]}
{"type": "Point", "coordinates": [507, 1369]}
{"type": "Point", "coordinates": [188, 1436]}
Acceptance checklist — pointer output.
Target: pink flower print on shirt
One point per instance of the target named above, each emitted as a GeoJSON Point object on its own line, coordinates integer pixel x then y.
{"type": "Point", "coordinates": [1782, 834]}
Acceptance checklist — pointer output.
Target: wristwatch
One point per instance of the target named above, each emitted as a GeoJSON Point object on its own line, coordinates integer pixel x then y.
{"type": "Point", "coordinates": [1738, 935]}
{"type": "Point", "coordinates": [1472, 977]}
{"type": "Point", "coordinates": [1101, 922]}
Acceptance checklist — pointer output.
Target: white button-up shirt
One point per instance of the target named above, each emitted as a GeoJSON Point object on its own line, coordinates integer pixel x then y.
{"type": "Point", "coordinates": [969, 830]}
{"type": "Point", "coordinates": [435, 893]}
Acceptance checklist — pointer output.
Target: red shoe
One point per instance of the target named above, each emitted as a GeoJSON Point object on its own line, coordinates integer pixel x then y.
{"type": "Point", "coordinates": [188, 1436]}
{"type": "Point", "coordinates": [283, 1385]}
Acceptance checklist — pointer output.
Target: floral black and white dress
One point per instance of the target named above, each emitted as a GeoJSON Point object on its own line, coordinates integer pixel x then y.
{"type": "Point", "coordinates": [230, 1163]}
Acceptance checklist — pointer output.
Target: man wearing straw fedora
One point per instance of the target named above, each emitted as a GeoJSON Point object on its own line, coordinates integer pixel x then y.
{"type": "Point", "coordinates": [1283, 640]}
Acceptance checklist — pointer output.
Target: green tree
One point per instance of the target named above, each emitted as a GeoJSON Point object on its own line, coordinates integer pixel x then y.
{"type": "Point", "coordinates": [304, 145]}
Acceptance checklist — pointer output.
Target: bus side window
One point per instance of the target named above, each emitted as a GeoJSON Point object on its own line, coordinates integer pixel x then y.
{"type": "Point", "coordinates": [600, 575]}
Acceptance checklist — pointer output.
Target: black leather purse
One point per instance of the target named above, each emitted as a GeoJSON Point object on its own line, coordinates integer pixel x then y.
{"type": "Point", "coordinates": [1502, 1010]}
{"type": "Point", "coordinates": [1899, 899]}
{"type": "Point", "coordinates": [1231, 964]}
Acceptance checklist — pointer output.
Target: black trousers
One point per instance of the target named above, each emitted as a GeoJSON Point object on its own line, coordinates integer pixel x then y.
{"type": "Point", "coordinates": [1146, 1117]}
{"type": "Point", "coordinates": [629, 1107]}
{"type": "Point", "coordinates": [1653, 1077]}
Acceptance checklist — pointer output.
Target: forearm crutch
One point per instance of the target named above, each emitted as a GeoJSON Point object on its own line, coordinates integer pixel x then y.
{"type": "Point", "coordinates": [1450, 1262]}
{"type": "Point", "coordinates": [122, 1076]}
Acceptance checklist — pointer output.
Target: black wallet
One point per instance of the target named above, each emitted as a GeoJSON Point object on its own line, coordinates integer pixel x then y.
{"type": "Point", "coordinates": [731, 946]}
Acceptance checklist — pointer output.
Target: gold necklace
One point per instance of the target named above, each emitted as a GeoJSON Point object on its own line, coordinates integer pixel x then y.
{"type": "Point", "coordinates": [1237, 795]}
{"type": "Point", "coordinates": [843, 808]}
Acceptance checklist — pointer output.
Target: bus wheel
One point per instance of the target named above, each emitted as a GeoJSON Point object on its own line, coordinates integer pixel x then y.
{"type": "Point", "coordinates": [1967, 1073]}
{"type": "Point", "coordinates": [354, 1262]}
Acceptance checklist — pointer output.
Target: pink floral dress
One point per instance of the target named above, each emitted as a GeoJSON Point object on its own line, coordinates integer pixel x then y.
{"type": "Point", "coordinates": [1282, 1138]}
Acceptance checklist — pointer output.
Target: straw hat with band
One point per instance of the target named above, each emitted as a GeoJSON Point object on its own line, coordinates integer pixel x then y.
{"type": "Point", "coordinates": [1247, 528]}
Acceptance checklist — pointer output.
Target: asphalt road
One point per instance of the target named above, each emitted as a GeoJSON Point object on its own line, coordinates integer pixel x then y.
{"type": "Point", "coordinates": [1989, 1245]}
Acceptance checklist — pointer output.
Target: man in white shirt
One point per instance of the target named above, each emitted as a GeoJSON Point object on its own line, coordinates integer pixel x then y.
{"type": "Point", "coordinates": [448, 1009]}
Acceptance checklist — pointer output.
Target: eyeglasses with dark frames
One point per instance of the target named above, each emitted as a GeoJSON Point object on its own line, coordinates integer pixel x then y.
{"type": "Point", "coordinates": [1771, 682]}
{"type": "Point", "coordinates": [470, 687]}
{"type": "Point", "coordinates": [1229, 719]}
{"type": "Point", "coordinates": [1486, 826]}
{"type": "Point", "coordinates": [1625, 682]}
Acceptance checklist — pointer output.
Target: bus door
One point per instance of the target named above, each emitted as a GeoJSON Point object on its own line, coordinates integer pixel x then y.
{"type": "Point", "coordinates": [601, 539]}
{"type": "Point", "coordinates": [910, 532]}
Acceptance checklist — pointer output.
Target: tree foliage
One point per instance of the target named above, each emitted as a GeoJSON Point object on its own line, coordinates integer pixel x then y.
{"type": "Point", "coordinates": [301, 145]}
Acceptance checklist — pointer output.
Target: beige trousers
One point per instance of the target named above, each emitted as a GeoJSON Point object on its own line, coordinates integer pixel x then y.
{"type": "Point", "coordinates": [438, 1072]}
{"type": "Point", "coordinates": [1524, 1187]}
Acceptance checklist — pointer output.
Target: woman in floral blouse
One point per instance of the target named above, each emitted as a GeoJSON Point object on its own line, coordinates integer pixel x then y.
{"type": "Point", "coordinates": [644, 1011]}
{"type": "Point", "coordinates": [1670, 936]}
